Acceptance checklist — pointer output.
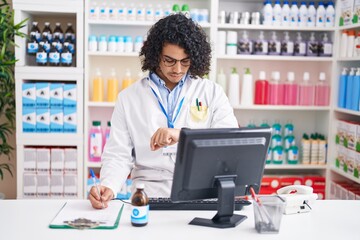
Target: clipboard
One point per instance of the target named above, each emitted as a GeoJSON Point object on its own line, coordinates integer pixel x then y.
{"type": "Point", "coordinates": [79, 214]}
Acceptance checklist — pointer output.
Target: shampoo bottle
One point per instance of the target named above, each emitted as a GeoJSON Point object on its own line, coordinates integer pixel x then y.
{"type": "Point", "coordinates": [234, 88]}
{"type": "Point", "coordinates": [247, 91]}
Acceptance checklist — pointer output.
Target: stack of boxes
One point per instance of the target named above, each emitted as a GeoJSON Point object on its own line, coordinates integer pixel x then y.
{"type": "Point", "coordinates": [270, 184]}
{"type": "Point", "coordinates": [348, 147]}
{"type": "Point", "coordinates": [49, 107]}
{"type": "Point", "coordinates": [50, 172]}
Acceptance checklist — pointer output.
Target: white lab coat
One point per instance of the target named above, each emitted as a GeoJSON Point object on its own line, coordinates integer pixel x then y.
{"type": "Point", "coordinates": [136, 117]}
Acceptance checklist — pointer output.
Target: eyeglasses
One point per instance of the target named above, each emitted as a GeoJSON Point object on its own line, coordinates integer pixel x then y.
{"type": "Point", "coordinates": [169, 61]}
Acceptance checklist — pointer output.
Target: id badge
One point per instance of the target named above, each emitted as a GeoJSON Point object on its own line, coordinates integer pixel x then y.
{"type": "Point", "coordinates": [169, 150]}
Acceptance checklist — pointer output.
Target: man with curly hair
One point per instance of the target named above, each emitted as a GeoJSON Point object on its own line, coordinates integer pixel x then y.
{"type": "Point", "coordinates": [149, 114]}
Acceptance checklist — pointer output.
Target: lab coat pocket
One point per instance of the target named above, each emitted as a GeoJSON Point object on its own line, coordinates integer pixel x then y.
{"type": "Point", "coordinates": [199, 114]}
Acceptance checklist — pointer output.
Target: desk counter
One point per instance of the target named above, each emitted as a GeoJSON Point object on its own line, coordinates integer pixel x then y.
{"type": "Point", "coordinates": [329, 219]}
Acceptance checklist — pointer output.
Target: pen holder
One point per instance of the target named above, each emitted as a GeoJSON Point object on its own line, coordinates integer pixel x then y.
{"type": "Point", "coordinates": [268, 213]}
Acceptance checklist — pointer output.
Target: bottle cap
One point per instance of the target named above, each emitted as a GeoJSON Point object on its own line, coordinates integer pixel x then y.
{"type": "Point", "coordinates": [322, 76]}
{"type": "Point", "coordinates": [306, 76]}
{"type": "Point", "coordinates": [176, 8]}
{"type": "Point", "coordinates": [96, 123]}
{"type": "Point", "coordinates": [109, 124]}
{"type": "Point", "coordinates": [290, 76]}
{"type": "Point", "coordinates": [185, 7]}
{"type": "Point", "coordinates": [140, 185]}
{"type": "Point", "coordinates": [276, 75]}
{"type": "Point", "coordinates": [262, 75]}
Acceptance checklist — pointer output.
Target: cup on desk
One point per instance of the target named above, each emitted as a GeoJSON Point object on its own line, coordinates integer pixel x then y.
{"type": "Point", "coordinates": [268, 213]}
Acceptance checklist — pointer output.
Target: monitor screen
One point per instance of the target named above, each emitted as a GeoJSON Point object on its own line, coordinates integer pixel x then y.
{"type": "Point", "coordinates": [219, 163]}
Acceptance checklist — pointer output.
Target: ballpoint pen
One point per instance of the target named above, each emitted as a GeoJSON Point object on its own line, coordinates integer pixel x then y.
{"type": "Point", "coordinates": [96, 185]}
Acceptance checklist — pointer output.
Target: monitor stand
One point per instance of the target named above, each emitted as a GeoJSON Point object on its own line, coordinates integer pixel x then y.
{"type": "Point", "coordinates": [225, 217]}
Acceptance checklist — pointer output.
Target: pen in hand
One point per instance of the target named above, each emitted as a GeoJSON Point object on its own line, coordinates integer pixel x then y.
{"type": "Point", "coordinates": [96, 185]}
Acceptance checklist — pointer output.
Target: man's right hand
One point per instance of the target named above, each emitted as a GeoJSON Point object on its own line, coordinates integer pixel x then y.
{"type": "Point", "coordinates": [102, 201]}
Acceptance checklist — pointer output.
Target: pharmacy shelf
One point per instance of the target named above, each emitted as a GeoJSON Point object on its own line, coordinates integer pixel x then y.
{"type": "Point", "coordinates": [295, 167]}
{"type": "Point", "coordinates": [347, 59]}
{"type": "Point", "coordinates": [49, 139]}
{"type": "Point", "coordinates": [347, 27]}
{"type": "Point", "coordinates": [93, 164]}
{"type": "Point", "coordinates": [347, 111]}
{"type": "Point", "coordinates": [131, 23]}
{"type": "Point", "coordinates": [273, 28]}
{"type": "Point", "coordinates": [282, 107]}
{"type": "Point", "coordinates": [275, 58]}
{"type": "Point", "coordinates": [113, 54]}
{"type": "Point", "coordinates": [344, 174]}
{"type": "Point", "coordinates": [101, 104]}
{"type": "Point", "coordinates": [50, 73]}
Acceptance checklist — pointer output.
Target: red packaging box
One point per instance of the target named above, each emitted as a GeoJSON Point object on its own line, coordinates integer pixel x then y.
{"type": "Point", "coordinates": [291, 180]}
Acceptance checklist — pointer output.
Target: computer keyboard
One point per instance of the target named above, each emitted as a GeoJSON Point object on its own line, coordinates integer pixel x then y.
{"type": "Point", "coordinates": [210, 204]}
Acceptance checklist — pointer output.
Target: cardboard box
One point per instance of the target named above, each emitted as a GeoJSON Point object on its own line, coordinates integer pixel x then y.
{"type": "Point", "coordinates": [346, 12]}
{"type": "Point", "coordinates": [43, 120]}
{"type": "Point", "coordinates": [29, 163]}
{"type": "Point", "coordinates": [56, 120]}
{"type": "Point", "coordinates": [57, 185]}
{"type": "Point", "coordinates": [29, 120]}
{"type": "Point", "coordinates": [29, 185]}
{"type": "Point", "coordinates": [291, 180]}
{"type": "Point", "coordinates": [43, 185]}
{"type": "Point", "coordinates": [270, 184]}
{"type": "Point", "coordinates": [57, 159]}
{"type": "Point", "coordinates": [70, 95]}
{"type": "Point", "coordinates": [28, 95]}
{"type": "Point", "coordinates": [70, 185]}
{"type": "Point", "coordinates": [43, 160]}
{"type": "Point", "coordinates": [56, 95]}
{"type": "Point", "coordinates": [42, 94]}
{"type": "Point", "coordinates": [70, 120]}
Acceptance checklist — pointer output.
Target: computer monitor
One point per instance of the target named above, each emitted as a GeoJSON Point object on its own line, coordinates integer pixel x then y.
{"type": "Point", "coordinates": [219, 163]}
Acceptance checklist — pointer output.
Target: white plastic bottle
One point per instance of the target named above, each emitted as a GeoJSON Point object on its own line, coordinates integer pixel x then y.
{"type": "Point", "coordinates": [303, 14]}
{"type": "Point", "coordinates": [350, 43]}
{"type": "Point", "coordinates": [285, 14]}
{"type": "Point", "coordinates": [112, 10]}
{"type": "Point", "coordinates": [159, 13]}
{"type": "Point", "coordinates": [150, 13]}
{"type": "Point", "coordinates": [320, 15]}
{"type": "Point", "coordinates": [330, 15]}
{"type": "Point", "coordinates": [299, 46]}
{"type": "Point", "coordinates": [277, 13]}
{"type": "Point", "coordinates": [287, 45]}
{"type": "Point", "coordinates": [104, 11]}
{"type": "Point", "coordinates": [94, 10]}
{"type": "Point", "coordinates": [234, 88]}
{"type": "Point", "coordinates": [343, 43]}
{"type": "Point", "coordinates": [294, 14]}
{"type": "Point", "coordinates": [325, 47]}
{"type": "Point", "coordinates": [131, 13]}
{"type": "Point", "coordinates": [311, 22]}
{"type": "Point", "coordinates": [274, 45]}
{"type": "Point", "coordinates": [247, 91]}
{"type": "Point", "coordinates": [122, 12]}
{"type": "Point", "coordinates": [221, 80]}
{"type": "Point", "coordinates": [267, 13]}
{"type": "Point", "coordinates": [140, 12]}
{"type": "Point", "coordinates": [261, 45]}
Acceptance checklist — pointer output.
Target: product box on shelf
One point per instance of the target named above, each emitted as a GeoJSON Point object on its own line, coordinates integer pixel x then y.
{"type": "Point", "coordinates": [29, 185]}
{"type": "Point", "coordinates": [29, 163]}
{"type": "Point", "coordinates": [70, 96]}
{"type": "Point", "coordinates": [56, 185]}
{"type": "Point", "coordinates": [29, 119]}
{"type": "Point", "coordinates": [70, 185]}
{"type": "Point", "coordinates": [70, 122]}
{"type": "Point", "coordinates": [270, 184]}
{"type": "Point", "coordinates": [350, 134]}
{"type": "Point", "coordinates": [291, 180]}
{"type": "Point", "coordinates": [42, 94]}
{"type": "Point", "coordinates": [56, 120]}
{"type": "Point", "coordinates": [56, 95]}
{"type": "Point", "coordinates": [57, 160]}
{"type": "Point", "coordinates": [346, 12]}
{"type": "Point", "coordinates": [43, 120]}
{"type": "Point", "coordinates": [43, 185]}
{"type": "Point", "coordinates": [28, 95]}
{"type": "Point", "coordinates": [357, 138]}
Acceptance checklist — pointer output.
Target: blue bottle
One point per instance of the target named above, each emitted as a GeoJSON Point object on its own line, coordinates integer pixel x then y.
{"type": "Point", "coordinates": [342, 88]}
{"type": "Point", "coordinates": [356, 91]}
{"type": "Point", "coordinates": [349, 86]}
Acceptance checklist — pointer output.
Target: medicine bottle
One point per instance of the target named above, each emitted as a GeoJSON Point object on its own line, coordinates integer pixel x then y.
{"type": "Point", "coordinates": [139, 207]}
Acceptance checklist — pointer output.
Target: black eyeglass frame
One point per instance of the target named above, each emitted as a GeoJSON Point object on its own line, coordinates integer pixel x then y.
{"type": "Point", "coordinates": [170, 62]}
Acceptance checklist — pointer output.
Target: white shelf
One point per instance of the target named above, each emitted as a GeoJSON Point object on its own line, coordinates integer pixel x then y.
{"type": "Point", "coordinates": [347, 59]}
{"type": "Point", "coordinates": [347, 111]}
{"type": "Point", "coordinates": [131, 23]}
{"type": "Point", "coordinates": [49, 70]}
{"type": "Point", "coordinates": [282, 107]}
{"type": "Point", "coordinates": [295, 167]}
{"type": "Point", "coordinates": [101, 104]}
{"type": "Point", "coordinates": [344, 174]}
{"type": "Point", "coordinates": [351, 26]}
{"type": "Point", "coordinates": [114, 54]}
{"type": "Point", "coordinates": [49, 139]}
{"type": "Point", "coordinates": [272, 28]}
{"type": "Point", "coordinates": [93, 164]}
{"type": "Point", "coordinates": [275, 58]}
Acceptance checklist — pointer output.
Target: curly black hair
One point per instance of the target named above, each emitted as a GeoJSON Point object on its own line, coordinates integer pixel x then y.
{"type": "Point", "coordinates": [182, 31]}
